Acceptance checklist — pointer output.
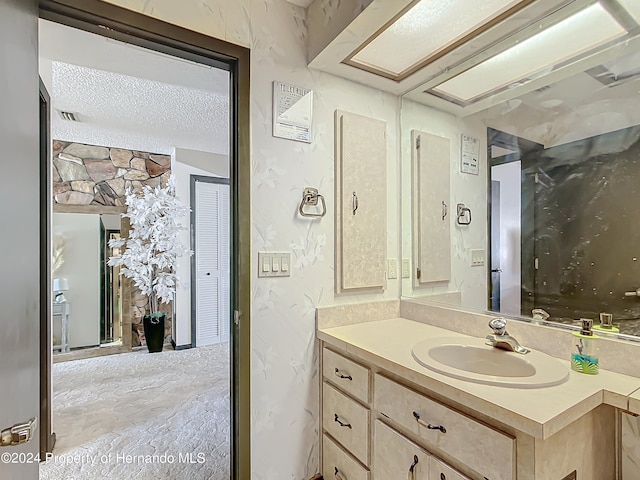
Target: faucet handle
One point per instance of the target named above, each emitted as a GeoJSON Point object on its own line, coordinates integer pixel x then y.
{"type": "Point", "coordinates": [498, 325]}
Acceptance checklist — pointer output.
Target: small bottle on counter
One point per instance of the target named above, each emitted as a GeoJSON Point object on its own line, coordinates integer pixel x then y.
{"type": "Point", "coordinates": [584, 354]}
{"type": "Point", "coordinates": [606, 324]}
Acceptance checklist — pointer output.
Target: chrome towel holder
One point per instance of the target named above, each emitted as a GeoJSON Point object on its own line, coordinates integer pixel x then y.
{"type": "Point", "coordinates": [464, 214]}
{"type": "Point", "coordinates": [310, 197]}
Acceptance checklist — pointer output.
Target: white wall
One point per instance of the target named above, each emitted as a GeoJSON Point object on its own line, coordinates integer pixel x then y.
{"type": "Point", "coordinates": [81, 268]}
{"type": "Point", "coordinates": [508, 175]}
{"type": "Point", "coordinates": [184, 163]}
{"type": "Point", "coordinates": [284, 388]}
{"type": "Point", "coordinates": [469, 189]}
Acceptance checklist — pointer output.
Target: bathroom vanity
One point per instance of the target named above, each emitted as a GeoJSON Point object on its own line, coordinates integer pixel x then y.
{"type": "Point", "coordinates": [385, 416]}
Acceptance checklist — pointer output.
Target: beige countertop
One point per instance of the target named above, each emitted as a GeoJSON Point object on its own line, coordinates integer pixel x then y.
{"type": "Point", "coordinates": [539, 412]}
{"type": "Point", "coordinates": [634, 402]}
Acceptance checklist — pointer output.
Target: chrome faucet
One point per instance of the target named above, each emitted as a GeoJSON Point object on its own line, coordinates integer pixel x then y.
{"type": "Point", "coordinates": [539, 315]}
{"type": "Point", "coordinates": [501, 339]}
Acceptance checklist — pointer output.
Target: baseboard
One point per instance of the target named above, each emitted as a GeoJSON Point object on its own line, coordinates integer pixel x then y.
{"type": "Point", "coordinates": [180, 347]}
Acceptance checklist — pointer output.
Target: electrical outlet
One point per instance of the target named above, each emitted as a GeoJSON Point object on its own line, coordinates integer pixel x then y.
{"type": "Point", "coordinates": [406, 268]}
{"type": "Point", "coordinates": [392, 268]}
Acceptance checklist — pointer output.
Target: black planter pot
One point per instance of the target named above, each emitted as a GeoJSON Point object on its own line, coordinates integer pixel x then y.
{"type": "Point", "coordinates": [154, 331]}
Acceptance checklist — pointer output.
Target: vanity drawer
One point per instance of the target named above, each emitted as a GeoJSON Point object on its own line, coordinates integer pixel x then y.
{"type": "Point", "coordinates": [441, 471]}
{"type": "Point", "coordinates": [346, 421]}
{"type": "Point", "coordinates": [396, 457]}
{"type": "Point", "coordinates": [487, 451]}
{"type": "Point", "coordinates": [346, 375]}
{"type": "Point", "coordinates": [338, 464]}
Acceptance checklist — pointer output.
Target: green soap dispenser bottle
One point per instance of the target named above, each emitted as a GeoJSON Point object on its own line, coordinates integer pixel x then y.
{"type": "Point", "coordinates": [584, 354]}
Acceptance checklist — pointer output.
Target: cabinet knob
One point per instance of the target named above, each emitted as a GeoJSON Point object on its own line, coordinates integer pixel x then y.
{"type": "Point", "coordinates": [340, 375]}
{"type": "Point", "coordinates": [354, 202]}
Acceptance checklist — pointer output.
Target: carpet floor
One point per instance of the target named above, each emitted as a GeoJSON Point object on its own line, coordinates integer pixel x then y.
{"type": "Point", "coordinates": [142, 416]}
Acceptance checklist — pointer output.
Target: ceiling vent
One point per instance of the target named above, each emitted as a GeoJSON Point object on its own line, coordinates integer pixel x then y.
{"type": "Point", "coordinates": [70, 116]}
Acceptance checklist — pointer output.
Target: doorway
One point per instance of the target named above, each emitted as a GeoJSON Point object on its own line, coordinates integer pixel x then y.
{"type": "Point", "coordinates": [116, 23]}
{"type": "Point", "coordinates": [210, 261]}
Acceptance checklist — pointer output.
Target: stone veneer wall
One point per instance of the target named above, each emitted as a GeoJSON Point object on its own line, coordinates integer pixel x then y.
{"type": "Point", "coordinates": [95, 175]}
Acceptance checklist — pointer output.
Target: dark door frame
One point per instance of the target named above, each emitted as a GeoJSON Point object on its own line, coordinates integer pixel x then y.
{"type": "Point", "coordinates": [125, 25]}
{"type": "Point", "coordinates": [47, 437]}
{"type": "Point", "coordinates": [194, 280]}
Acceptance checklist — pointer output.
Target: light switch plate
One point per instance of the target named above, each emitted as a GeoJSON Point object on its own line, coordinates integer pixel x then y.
{"type": "Point", "coordinates": [477, 257]}
{"type": "Point", "coordinates": [274, 264]}
{"type": "Point", "coordinates": [406, 268]}
{"type": "Point", "coordinates": [392, 268]}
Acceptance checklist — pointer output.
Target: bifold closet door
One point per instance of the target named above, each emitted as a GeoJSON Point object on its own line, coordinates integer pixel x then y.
{"type": "Point", "coordinates": [361, 202]}
{"type": "Point", "coordinates": [212, 303]}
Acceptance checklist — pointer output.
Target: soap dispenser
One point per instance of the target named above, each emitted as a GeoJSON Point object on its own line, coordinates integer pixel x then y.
{"type": "Point", "coordinates": [606, 324]}
{"type": "Point", "coordinates": [584, 353]}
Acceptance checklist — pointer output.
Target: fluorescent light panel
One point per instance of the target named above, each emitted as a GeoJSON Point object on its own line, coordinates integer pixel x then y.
{"type": "Point", "coordinates": [581, 32]}
{"type": "Point", "coordinates": [425, 29]}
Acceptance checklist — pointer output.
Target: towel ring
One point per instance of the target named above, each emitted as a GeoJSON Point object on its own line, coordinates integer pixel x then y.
{"type": "Point", "coordinates": [310, 196]}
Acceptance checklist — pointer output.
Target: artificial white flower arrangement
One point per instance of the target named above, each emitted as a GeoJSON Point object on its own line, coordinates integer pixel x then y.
{"type": "Point", "coordinates": [150, 252]}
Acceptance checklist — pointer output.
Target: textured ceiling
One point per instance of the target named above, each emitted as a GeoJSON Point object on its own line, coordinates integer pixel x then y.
{"type": "Point", "coordinates": [129, 97]}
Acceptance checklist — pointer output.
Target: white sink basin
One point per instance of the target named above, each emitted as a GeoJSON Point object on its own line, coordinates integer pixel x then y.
{"type": "Point", "coordinates": [468, 358]}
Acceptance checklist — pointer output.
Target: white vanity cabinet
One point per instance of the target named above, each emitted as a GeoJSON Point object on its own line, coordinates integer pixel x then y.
{"type": "Point", "coordinates": [346, 418]}
{"type": "Point", "coordinates": [357, 441]}
{"type": "Point", "coordinates": [376, 423]}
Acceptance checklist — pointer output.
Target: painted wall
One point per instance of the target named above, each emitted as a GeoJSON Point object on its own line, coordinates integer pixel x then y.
{"type": "Point", "coordinates": [469, 189]}
{"type": "Point", "coordinates": [184, 163]}
{"type": "Point", "coordinates": [81, 268]}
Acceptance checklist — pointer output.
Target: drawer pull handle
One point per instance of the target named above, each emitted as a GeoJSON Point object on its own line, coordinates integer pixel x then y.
{"type": "Point", "coordinates": [336, 474]}
{"type": "Point", "coordinates": [338, 374]}
{"type": "Point", "coordinates": [428, 425]}
{"type": "Point", "coordinates": [413, 467]}
{"type": "Point", "coordinates": [336, 418]}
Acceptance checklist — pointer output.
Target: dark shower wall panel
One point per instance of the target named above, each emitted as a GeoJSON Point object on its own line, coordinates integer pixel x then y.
{"type": "Point", "coordinates": [587, 228]}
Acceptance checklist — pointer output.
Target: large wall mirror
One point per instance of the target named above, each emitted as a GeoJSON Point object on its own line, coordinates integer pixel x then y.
{"type": "Point", "coordinates": [89, 307]}
{"type": "Point", "coordinates": [539, 218]}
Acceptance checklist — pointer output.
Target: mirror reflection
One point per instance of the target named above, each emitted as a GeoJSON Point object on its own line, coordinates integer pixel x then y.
{"type": "Point", "coordinates": [87, 292]}
{"type": "Point", "coordinates": [549, 226]}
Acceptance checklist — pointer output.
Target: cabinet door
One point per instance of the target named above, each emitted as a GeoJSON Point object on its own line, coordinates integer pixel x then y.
{"type": "Point", "coordinates": [395, 457]}
{"type": "Point", "coordinates": [361, 202]}
{"type": "Point", "coordinates": [431, 207]}
{"type": "Point", "coordinates": [442, 471]}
